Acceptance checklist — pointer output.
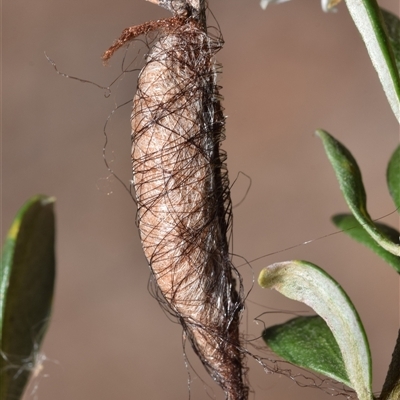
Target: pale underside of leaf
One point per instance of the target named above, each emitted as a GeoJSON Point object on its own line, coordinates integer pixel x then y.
{"type": "Point", "coordinates": [305, 282]}
{"type": "Point", "coordinates": [369, 22]}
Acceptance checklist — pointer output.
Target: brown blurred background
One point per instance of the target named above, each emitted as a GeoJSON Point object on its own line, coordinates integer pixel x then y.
{"type": "Point", "coordinates": [286, 72]}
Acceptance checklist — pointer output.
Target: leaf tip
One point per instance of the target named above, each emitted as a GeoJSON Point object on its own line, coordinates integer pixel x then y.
{"type": "Point", "coordinates": [263, 278]}
{"type": "Point", "coordinates": [322, 134]}
{"type": "Point", "coordinates": [45, 200]}
{"type": "Point", "coordinates": [14, 229]}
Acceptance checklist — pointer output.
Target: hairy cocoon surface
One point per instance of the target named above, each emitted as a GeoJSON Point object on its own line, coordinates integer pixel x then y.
{"type": "Point", "coordinates": [182, 192]}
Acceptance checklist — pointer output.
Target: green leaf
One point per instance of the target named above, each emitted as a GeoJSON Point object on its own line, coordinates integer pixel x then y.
{"type": "Point", "coordinates": [349, 224]}
{"type": "Point", "coordinates": [393, 177]}
{"type": "Point", "coordinates": [305, 282]}
{"type": "Point", "coordinates": [369, 21]}
{"type": "Point", "coordinates": [351, 185]}
{"type": "Point", "coordinates": [391, 387]}
{"type": "Point", "coordinates": [27, 274]}
{"type": "Point", "coordinates": [308, 342]}
{"type": "Point", "coordinates": [392, 23]}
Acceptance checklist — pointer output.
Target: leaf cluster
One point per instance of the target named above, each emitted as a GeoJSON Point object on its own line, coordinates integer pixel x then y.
{"type": "Point", "coordinates": [334, 342]}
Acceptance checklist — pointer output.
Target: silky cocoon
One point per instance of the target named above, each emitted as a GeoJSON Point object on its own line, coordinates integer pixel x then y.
{"type": "Point", "coordinates": [182, 193]}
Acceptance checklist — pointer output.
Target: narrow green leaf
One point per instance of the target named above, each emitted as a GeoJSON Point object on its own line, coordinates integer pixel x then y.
{"type": "Point", "coordinates": [369, 21]}
{"type": "Point", "coordinates": [393, 177]}
{"type": "Point", "coordinates": [305, 282]}
{"type": "Point", "coordinates": [351, 185]}
{"type": "Point", "coordinates": [27, 274]}
{"type": "Point", "coordinates": [349, 224]}
{"type": "Point", "coordinates": [308, 342]}
{"type": "Point", "coordinates": [393, 30]}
